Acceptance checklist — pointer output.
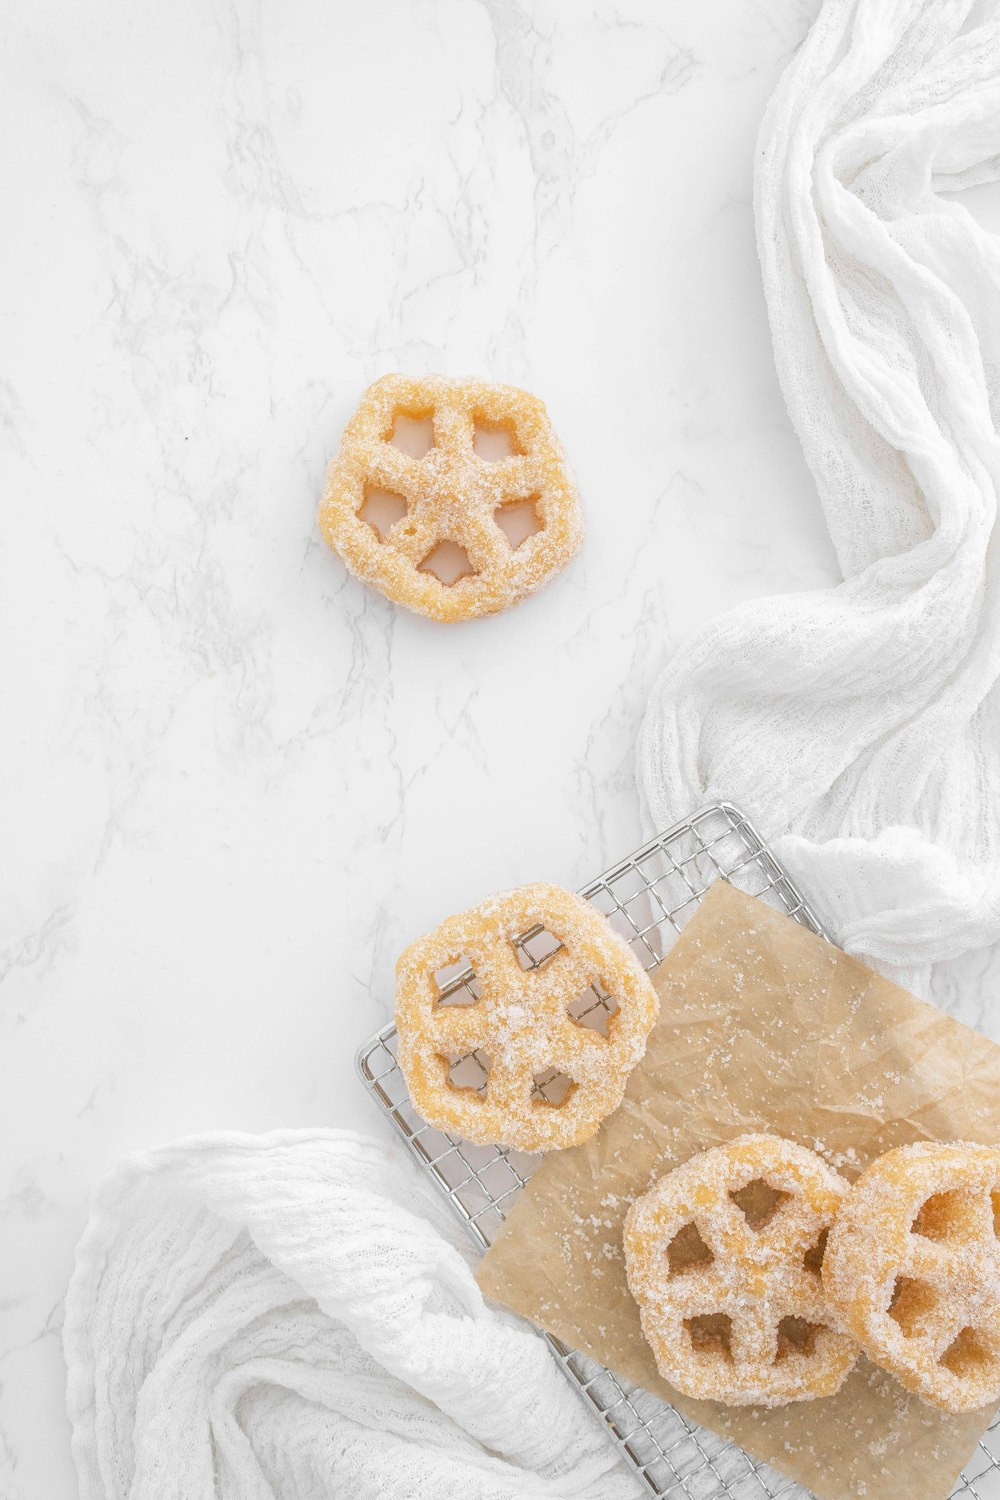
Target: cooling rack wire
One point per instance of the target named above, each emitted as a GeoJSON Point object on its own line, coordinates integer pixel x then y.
{"type": "Point", "coordinates": [647, 897]}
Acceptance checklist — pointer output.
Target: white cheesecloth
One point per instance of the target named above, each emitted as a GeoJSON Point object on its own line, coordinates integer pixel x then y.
{"type": "Point", "coordinates": [294, 1315]}
{"type": "Point", "coordinates": [860, 725]}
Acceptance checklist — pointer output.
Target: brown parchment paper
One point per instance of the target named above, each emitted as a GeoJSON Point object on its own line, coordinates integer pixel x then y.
{"type": "Point", "coordinates": [763, 1026]}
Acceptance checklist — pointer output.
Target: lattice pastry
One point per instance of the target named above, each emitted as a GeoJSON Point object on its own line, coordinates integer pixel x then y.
{"type": "Point", "coordinates": [542, 1076]}
{"type": "Point", "coordinates": [451, 495]}
{"type": "Point", "coordinates": [913, 1270]}
{"type": "Point", "coordinates": [723, 1256]}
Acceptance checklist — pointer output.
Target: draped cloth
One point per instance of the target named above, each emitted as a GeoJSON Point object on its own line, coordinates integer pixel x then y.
{"type": "Point", "coordinates": [860, 725]}
{"type": "Point", "coordinates": [294, 1315]}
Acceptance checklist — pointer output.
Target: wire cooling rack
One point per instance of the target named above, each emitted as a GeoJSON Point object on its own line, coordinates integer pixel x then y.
{"type": "Point", "coordinates": [647, 898]}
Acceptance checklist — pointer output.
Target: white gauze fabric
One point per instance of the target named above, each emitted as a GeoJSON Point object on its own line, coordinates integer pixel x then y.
{"type": "Point", "coordinates": [860, 725]}
{"type": "Point", "coordinates": [294, 1315]}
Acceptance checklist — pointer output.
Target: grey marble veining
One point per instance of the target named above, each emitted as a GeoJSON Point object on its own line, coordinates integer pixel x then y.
{"type": "Point", "coordinates": [235, 782]}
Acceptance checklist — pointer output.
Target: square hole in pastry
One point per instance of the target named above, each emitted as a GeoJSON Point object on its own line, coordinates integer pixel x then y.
{"type": "Point", "coordinates": [813, 1258]}
{"type": "Point", "coordinates": [470, 1071]}
{"type": "Point", "coordinates": [536, 947]}
{"type": "Point", "coordinates": [594, 1009]}
{"type": "Point", "coordinates": [796, 1336]}
{"type": "Point", "coordinates": [457, 984]}
{"type": "Point", "coordinates": [912, 1303]}
{"type": "Point", "coordinates": [448, 562]}
{"type": "Point", "coordinates": [711, 1333]}
{"type": "Point", "coordinates": [940, 1215]}
{"type": "Point", "coordinates": [518, 520]}
{"type": "Point", "coordinates": [494, 441]}
{"type": "Point", "coordinates": [550, 1087]}
{"type": "Point", "coordinates": [687, 1251]}
{"type": "Point", "coordinates": [758, 1202]}
{"type": "Point", "coordinates": [966, 1354]}
{"type": "Point", "coordinates": [413, 433]}
{"type": "Point", "coordinates": [382, 509]}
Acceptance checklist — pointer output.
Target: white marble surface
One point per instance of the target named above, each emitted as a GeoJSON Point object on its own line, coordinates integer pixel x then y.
{"type": "Point", "coordinates": [234, 781]}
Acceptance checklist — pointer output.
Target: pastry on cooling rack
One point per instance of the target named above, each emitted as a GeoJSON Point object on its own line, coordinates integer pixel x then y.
{"type": "Point", "coordinates": [451, 495]}
{"type": "Point", "coordinates": [912, 1269]}
{"type": "Point", "coordinates": [497, 1039]}
{"type": "Point", "coordinates": [722, 1256]}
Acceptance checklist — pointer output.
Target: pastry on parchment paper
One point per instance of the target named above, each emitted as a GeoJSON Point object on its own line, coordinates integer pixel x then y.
{"type": "Point", "coordinates": [723, 1255]}
{"type": "Point", "coordinates": [912, 1269]}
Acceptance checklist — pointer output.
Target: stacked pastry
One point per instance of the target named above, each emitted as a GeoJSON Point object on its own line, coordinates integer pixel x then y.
{"type": "Point", "coordinates": [759, 1271]}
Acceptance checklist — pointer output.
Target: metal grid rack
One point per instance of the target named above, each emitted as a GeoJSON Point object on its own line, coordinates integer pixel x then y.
{"type": "Point", "coordinates": [647, 898]}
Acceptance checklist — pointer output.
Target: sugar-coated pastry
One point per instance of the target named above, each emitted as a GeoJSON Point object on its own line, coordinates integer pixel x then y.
{"type": "Point", "coordinates": [451, 494]}
{"type": "Point", "coordinates": [722, 1256]}
{"type": "Point", "coordinates": [519, 1023]}
{"type": "Point", "coordinates": [912, 1268]}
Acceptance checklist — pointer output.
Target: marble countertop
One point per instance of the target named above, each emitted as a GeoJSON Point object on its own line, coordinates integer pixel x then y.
{"type": "Point", "coordinates": [235, 782]}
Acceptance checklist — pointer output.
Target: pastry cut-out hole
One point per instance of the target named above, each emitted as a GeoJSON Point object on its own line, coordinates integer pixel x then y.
{"type": "Point", "coordinates": [518, 520]}
{"type": "Point", "coordinates": [594, 1009]}
{"type": "Point", "coordinates": [494, 441]}
{"type": "Point", "coordinates": [456, 984]}
{"type": "Point", "coordinates": [536, 947]}
{"type": "Point", "coordinates": [940, 1216]}
{"type": "Point", "coordinates": [687, 1251]}
{"type": "Point", "coordinates": [813, 1258]}
{"type": "Point", "coordinates": [448, 562]}
{"type": "Point", "coordinates": [711, 1333]}
{"type": "Point", "coordinates": [912, 1304]}
{"type": "Point", "coordinates": [796, 1336]}
{"type": "Point", "coordinates": [966, 1354]}
{"type": "Point", "coordinates": [995, 1201]}
{"type": "Point", "coordinates": [382, 509]}
{"type": "Point", "coordinates": [758, 1202]}
{"type": "Point", "coordinates": [470, 1072]}
{"type": "Point", "coordinates": [413, 434]}
{"type": "Point", "coordinates": [551, 1088]}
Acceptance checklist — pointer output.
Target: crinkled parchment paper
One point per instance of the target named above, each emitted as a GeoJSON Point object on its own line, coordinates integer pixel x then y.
{"type": "Point", "coordinates": [763, 1026]}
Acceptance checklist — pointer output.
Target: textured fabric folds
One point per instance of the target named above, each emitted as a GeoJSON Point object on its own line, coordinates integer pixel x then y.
{"type": "Point", "coordinates": [860, 725]}
{"type": "Point", "coordinates": [294, 1315]}
{"type": "Point", "coordinates": [262, 1317]}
